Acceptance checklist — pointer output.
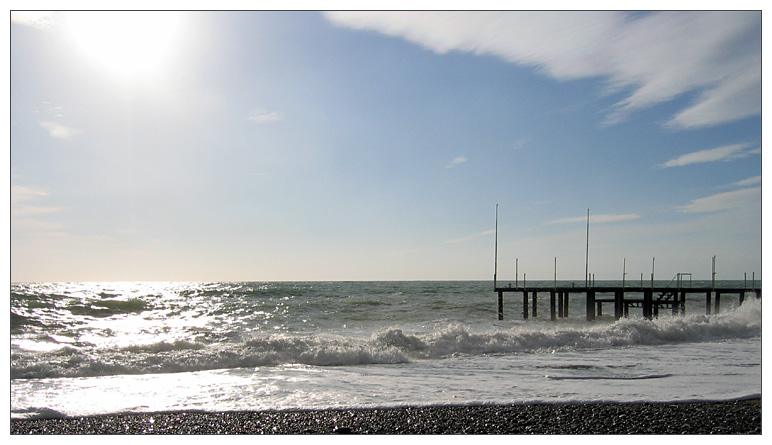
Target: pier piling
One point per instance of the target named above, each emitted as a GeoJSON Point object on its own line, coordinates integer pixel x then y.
{"type": "Point", "coordinates": [590, 305]}
{"type": "Point", "coordinates": [560, 304]}
{"type": "Point", "coordinates": [647, 303]}
{"type": "Point", "coordinates": [707, 302]}
{"type": "Point", "coordinates": [682, 303]}
{"type": "Point", "coordinates": [525, 305]}
{"type": "Point", "coordinates": [552, 305]}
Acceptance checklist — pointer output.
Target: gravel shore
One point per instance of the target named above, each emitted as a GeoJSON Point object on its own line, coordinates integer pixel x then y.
{"type": "Point", "coordinates": [739, 417]}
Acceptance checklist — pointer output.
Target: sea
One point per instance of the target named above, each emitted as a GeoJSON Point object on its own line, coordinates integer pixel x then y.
{"type": "Point", "coordinates": [82, 349]}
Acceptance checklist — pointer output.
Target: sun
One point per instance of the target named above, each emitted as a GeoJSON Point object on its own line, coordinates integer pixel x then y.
{"type": "Point", "coordinates": [127, 44]}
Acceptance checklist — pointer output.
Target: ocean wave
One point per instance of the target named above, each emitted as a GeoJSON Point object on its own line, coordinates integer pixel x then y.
{"type": "Point", "coordinates": [107, 307]}
{"type": "Point", "coordinates": [632, 377]}
{"type": "Point", "coordinates": [389, 346]}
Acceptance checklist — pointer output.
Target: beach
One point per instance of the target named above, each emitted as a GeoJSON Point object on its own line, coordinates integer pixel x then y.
{"type": "Point", "coordinates": [735, 417]}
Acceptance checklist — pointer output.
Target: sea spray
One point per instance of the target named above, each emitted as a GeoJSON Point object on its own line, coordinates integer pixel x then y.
{"type": "Point", "coordinates": [389, 346]}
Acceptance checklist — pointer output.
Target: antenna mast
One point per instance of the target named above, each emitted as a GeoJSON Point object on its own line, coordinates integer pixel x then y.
{"type": "Point", "coordinates": [496, 249]}
{"type": "Point", "coordinates": [587, 251]}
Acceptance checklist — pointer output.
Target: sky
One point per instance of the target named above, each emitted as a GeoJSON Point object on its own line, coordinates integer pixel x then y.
{"type": "Point", "coordinates": [304, 145]}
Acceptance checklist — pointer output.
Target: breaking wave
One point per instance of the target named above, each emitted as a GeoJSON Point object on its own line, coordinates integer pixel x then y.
{"type": "Point", "coordinates": [388, 346]}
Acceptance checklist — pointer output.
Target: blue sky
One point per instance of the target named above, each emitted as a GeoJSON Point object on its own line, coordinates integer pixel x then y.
{"type": "Point", "coordinates": [376, 145]}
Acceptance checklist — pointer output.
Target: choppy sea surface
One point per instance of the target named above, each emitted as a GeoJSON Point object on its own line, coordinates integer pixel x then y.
{"type": "Point", "coordinates": [100, 348]}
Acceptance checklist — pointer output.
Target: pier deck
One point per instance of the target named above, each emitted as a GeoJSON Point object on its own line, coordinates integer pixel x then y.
{"type": "Point", "coordinates": [650, 299]}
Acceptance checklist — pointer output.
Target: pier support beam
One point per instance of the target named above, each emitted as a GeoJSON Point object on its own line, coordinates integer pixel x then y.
{"type": "Point", "coordinates": [560, 304]}
{"type": "Point", "coordinates": [619, 298]}
{"type": "Point", "coordinates": [682, 304]}
{"type": "Point", "coordinates": [647, 304]}
{"type": "Point", "coordinates": [501, 305]}
{"type": "Point", "coordinates": [717, 303]}
{"type": "Point", "coordinates": [742, 297]}
{"type": "Point", "coordinates": [525, 305]}
{"type": "Point", "coordinates": [590, 305]}
{"type": "Point", "coordinates": [533, 305]}
{"type": "Point", "coordinates": [552, 305]}
{"type": "Point", "coordinates": [675, 303]}
{"type": "Point", "coordinates": [565, 304]}
{"type": "Point", "coordinates": [707, 302]}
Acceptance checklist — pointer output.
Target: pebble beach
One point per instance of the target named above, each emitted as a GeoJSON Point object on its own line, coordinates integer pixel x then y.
{"type": "Point", "coordinates": [735, 417]}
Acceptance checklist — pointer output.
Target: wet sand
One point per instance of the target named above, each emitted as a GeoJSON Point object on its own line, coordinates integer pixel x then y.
{"type": "Point", "coordinates": [737, 417]}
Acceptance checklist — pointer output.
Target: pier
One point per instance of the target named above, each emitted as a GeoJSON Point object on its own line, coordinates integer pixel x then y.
{"type": "Point", "coordinates": [651, 300]}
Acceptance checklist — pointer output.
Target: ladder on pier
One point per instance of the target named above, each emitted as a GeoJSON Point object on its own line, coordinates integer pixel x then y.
{"type": "Point", "coordinates": [670, 297]}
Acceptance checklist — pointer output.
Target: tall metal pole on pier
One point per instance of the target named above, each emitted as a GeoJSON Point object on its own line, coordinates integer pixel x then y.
{"type": "Point", "coordinates": [587, 252]}
{"type": "Point", "coordinates": [496, 249]}
{"type": "Point", "coordinates": [624, 271]}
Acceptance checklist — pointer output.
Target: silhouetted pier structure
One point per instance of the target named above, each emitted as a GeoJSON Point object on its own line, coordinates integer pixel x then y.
{"type": "Point", "coordinates": [650, 299]}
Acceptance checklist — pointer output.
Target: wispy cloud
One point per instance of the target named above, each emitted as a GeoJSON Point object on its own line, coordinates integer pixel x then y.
{"type": "Point", "coordinates": [405, 252]}
{"type": "Point", "coordinates": [651, 57]}
{"type": "Point", "coordinates": [746, 182]}
{"type": "Point", "coordinates": [602, 218]}
{"type": "Point", "coordinates": [59, 131]}
{"type": "Point", "coordinates": [738, 199]}
{"type": "Point", "coordinates": [520, 144]}
{"type": "Point", "coordinates": [468, 238]}
{"type": "Point", "coordinates": [36, 19]}
{"type": "Point", "coordinates": [265, 118]}
{"type": "Point", "coordinates": [33, 225]}
{"type": "Point", "coordinates": [457, 161]}
{"type": "Point", "coordinates": [21, 193]}
{"type": "Point", "coordinates": [23, 207]}
{"type": "Point", "coordinates": [725, 153]}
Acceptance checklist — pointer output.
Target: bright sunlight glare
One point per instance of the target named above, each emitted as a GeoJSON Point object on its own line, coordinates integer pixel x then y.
{"type": "Point", "coordinates": [124, 43]}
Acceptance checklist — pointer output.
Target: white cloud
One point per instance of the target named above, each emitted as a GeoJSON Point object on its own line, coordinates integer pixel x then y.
{"type": "Point", "coordinates": [59, 131]}
{"type": "Point", "coordinates": [602, 218]}
{"type": "Point", "coordinates": [746, 182]}
{"type": "Point", "coordinates": [22, 210]}
{"type": "Point", "coordinates": [457, 161]}
{"type": "Point", "coordinates": [725, 153]}
{"type": "Point", "coordinates": [652, 57]}
{"type": "Point", "coordinates": [726, 102]}
{"type": "Point", "coordinates": [36, 19]}
{"type": "Point", "coordinates": [17, 211]}
{"type": "Point", "coordinates": [264, 118]}
{"type": "Point", "coordinates": [467, 238]}
{"type": "Point", "coordinates": [21, 193]}
{"type": "Point", "coordinates": [520, 144]}
{"type": "Point", "coordinates": [738, 199]}
{"type": "Point", "coordinates": [33, 225]}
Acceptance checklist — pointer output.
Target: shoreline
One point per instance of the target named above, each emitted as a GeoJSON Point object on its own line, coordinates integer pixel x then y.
{"type": "Point", "coordinates": [728, 417]}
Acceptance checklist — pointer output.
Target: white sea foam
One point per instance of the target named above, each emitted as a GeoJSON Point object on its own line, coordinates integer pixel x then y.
{"type": "Point", "coordinates": [389, 346]}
